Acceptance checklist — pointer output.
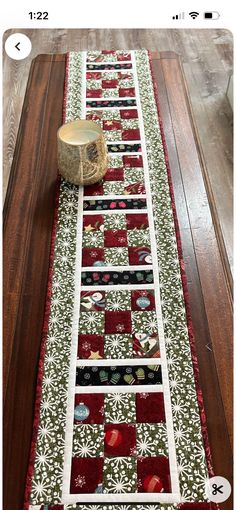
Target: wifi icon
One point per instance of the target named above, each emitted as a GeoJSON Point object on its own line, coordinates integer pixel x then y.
{"type": "Point", "coordinates": [194, 14]}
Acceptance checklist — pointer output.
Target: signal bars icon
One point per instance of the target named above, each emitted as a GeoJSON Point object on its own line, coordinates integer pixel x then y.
{"type": "Point", "coordinates": [193, 15]}
{"type": "Point", "coordinates": [179, 16]}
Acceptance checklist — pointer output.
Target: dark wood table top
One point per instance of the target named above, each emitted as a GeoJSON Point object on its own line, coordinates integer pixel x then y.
{"type": "Point", "coordinates": [28, 220]}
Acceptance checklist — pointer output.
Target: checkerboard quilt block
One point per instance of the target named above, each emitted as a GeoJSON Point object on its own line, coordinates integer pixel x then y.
{"type": "Point", "coordinates": [125, 176]}
{"type": "Point", "coordinates": [117, 422]}
{"type": "Point", "coordinates": [117, 240]}
{"type": "Point", "coordinates": [118, 324]}
{"type": "Point", "coordinates": [114, 431]}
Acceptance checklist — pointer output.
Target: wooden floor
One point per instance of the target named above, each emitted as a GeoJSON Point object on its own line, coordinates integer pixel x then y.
{"type": "Point", "coordinates": [207, 57]}
{"type": "Point", "coordinates": [26, 257]}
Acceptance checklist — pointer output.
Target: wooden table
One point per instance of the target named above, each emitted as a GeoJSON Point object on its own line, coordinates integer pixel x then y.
{"type": "Point", "coordinates": [28, 219]}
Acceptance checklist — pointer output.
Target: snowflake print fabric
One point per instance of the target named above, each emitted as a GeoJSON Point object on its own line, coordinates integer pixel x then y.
{"type": "Point", "coordinates": [119, 424]}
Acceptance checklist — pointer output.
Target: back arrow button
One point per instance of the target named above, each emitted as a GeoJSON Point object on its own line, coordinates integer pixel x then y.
{"type": "Point", "coordinates": [18, 46]}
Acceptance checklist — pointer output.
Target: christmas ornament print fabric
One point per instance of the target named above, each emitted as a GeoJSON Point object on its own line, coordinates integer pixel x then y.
{"type": "Point", "coordinates": [118, 419]}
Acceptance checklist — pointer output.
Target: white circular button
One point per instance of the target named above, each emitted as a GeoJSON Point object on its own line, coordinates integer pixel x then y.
{"type": "Point", "coordinates": [218, 489]}
{"type": "Point", "coordinates": [18, 46]}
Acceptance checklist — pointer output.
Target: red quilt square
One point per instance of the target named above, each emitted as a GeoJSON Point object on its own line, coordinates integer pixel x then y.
{"type": "Point", "coordinates": [93, 116]}
{"type": "Point", "coordinates": [55, 507]}
{"type": "Point", "coordinates": [114, 174]}
{"type": "Point", "coordinates": [125, 75]}
{"type": "Point", "coordinates": [131, 134]}
{"type": "Point", "coordinates": [93, 222]}
{"type": "Point", "coordinates": [113, 238]}
{"type": "Point", "coordinates": [137, 188]}
{"type": "Point", "coordinates": [142, 300]}
{"type": "Point", "coordinates": [153, 474]}
{"type": "Point", "coordinates": [94, 93]}
{"type": "Point", "coordinates": [111, 125]}
{"type": "Point", "coordinates": [123, 56]}
{"type": "Point", "coordinates": [91, 347]}
{"type": "Point", "coordinates": [92, 300]}
{"type": "Point", "coordinates": [139, 221]}
{"type": "Point", "coordinates": [150, 408]}
{"type": "Point", "coordinates": [127, 92]}
{"type": "Point", "coordinates": [146, 345]}
{"type": "Point", "coordinates": [117, 322]}
{"type": "Point", "coordinates": [93, 190]}
{"type": "Point", "coordinates": [109, 84]}
{"type": "Point", "coordinates": [92, 410]}
{"type": "Point", "coordinates": [92, 257]}
{"type": "Point", "coordinates": [129, 114]}
{"type": "Point", "coordinates": [108, 52]}
{"type": "Point", "coordinates": [139, 255]}
{"type": "Point", "coordinates": [93, 76]}
{"type": "Point", "coordinates": [86, 475]}
{"type": "Point", "coordinates": [133, 161]}
{"type": "Point", "coordinates": [120, 440]}
{"type": "Point", "coordinates": [196, 506]}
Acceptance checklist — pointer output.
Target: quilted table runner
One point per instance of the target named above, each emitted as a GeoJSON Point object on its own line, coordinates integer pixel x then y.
{"type": "Point", "coordinates": [117, 421]}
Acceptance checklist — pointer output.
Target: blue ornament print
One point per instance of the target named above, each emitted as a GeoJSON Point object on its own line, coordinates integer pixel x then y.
{"type": "Point", "coordinates": [143, 302]}
{"type": "Point", "coordinates": [81, 412]}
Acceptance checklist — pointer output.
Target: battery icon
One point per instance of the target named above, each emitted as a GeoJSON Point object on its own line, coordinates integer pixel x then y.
{"type": "Point", "coordinates": [211, 15]}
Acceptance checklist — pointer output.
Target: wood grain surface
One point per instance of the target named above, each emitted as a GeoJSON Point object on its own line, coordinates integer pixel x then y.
{"type": "Point", "coordinates": [28, 221]}
{"type": "Point", "coordinates": [203, 264]}
{"type": "Point", "coordinates": [219, 309]}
